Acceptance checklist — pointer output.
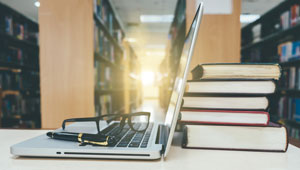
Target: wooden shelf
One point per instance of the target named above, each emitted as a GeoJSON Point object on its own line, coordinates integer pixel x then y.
{"type": "Point", "coordinates": [27, 92]}
{"type": "Point", "coordinates": [273, 37]}
{"type": "Point", "coordinates": [101, 24]}
{"type": "Point", "coordinates": [10, 65]}
{"type": "Point", "coordinates": [295, 62]}
{"type": "Point", "coordinates": [108, 62]}
{"type": "Point", "coordinates": [101, 58]}
{"type": "Point", "coordinates": [108, 91]}
{"type": "Point", "coordinates": [289, 92]}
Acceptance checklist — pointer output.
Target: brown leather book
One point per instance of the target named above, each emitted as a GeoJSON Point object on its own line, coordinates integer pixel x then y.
{"type": "Point", "coordinates": [271, 138]}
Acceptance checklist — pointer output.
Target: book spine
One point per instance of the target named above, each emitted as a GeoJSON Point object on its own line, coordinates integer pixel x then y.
{"type": "Point", "coordinates": [203, 94]}
{"type": "Point", "coordinates": [231, 109]}
{"type": "Point", "coordinates": [185, 122]}
{"type": "Point", "coordinates": [185, 144]}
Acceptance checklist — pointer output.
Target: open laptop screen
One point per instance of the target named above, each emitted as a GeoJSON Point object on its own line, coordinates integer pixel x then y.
{"type": "Point", "coordinates": [181, 77]}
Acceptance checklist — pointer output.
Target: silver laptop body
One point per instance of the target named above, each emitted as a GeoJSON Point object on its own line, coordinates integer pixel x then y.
{"type": "Point", "coordinates": [160, 136]}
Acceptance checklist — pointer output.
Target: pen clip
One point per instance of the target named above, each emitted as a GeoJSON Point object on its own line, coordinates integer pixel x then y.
{"type": "Point", "coordinates": [83, 142]}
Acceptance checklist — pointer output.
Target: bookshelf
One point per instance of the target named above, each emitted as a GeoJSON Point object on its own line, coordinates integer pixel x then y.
{"type": "Point", "coordinates": [132, 81]}
{"type": "Point", "coordinates": [116, 64]}
{"type": "Point", "coordinates": [215, 32]}
{"type": "Point", "coordinates": [274, 38]}
{"type": "Point", "coordinates": [19, 70]}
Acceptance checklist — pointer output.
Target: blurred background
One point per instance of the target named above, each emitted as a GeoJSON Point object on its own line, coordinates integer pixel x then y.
{"type": "Point", "coordinates": [79, 58]}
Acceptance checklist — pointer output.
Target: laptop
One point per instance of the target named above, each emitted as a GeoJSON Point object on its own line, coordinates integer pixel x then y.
{"type": "Point", "coordinates": [154, 143]}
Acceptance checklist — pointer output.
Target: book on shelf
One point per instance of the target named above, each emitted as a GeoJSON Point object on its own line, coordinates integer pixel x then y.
{"type": "Point", "coordinates": [236, 71]}
{"type": "Point", "coordinates": [231, 86]}
{"type": "Point", "coordinates": [101, 43]}
{"type": "Point", "coordinates": [285, 20]}
{"type": "Point", "coordinates": [112, 54]}
{"type": "Point", "coordinates": [296, 116]}
{"type": "Point", "coordinates": [96, 39]}
{"type": "Point", "coordinates": [297, 79]}
{"type": "Point", "coordinates": [118, 35]}
{"type": "Point", "coordinates": [10, 80]}
{"type": "Point", "coordinates": [106, 104]}
{"type": "Point", "coordinates": [225, 102]}
{"type": "Point", "coordinates": [103, 104]}
{"type": "Point", "coordinates": [225, 117]}
{"type": "Point", "coordinates": [103, 75]}
{"type": "Point", "coordinates": [295, 14]}
{"type": "Point", "coordinates": [18, 30]}
{"type": "Point", "coordinates": [17, 105]}
{"type": "Point", "coordinates": [289, 108]}
{"type": "Point", "coordinates": [290, 18]}
{"type": "Point", "coordinates": [288, 51]}
{"type": "Point", "coordinates": [290, 78]}
{"type": "Point", "coordinates": [110, 24]}
{"type": "Point", "coordinates": [9, 25]}
{"type": "Point", "coordinates": [97, 7]}
{"type": "Point", "coordinates": [272, 137]}
{"type": "Point", "coordinates": [96, 75]}
{"type": "Point", "coordinates": [256, 33]}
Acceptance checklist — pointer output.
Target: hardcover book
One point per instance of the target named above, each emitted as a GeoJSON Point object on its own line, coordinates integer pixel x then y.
{"type": "Point", "coordinates": [272, 138]}
{"type": "Point", "coordinates": [231, 86]}
{"type": "Point", "coordinates": [225, 117]}
{"type": "Point", "coordinates": [236, 71]}
{"type": "Point", "coordinates": [225, 102]}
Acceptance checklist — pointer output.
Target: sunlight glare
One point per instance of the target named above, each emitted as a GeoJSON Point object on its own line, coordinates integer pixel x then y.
{"type": "Point", "coordinates": [147, 77]}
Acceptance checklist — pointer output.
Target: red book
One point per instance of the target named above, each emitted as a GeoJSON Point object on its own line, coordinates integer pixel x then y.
{"type": "Point", "coordinates": [294, 14]}
{"type": "Point", "coordinates": [225, 117]}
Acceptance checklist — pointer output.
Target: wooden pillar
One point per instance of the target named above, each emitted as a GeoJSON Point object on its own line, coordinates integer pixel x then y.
{"type": "Point", "coordinates": [66, 60]}
{"type": "Point", "coordinates": [219, 38]}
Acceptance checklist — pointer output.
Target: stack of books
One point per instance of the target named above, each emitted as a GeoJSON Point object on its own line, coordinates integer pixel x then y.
{"type": "Point", "coordinates": [225, 107]}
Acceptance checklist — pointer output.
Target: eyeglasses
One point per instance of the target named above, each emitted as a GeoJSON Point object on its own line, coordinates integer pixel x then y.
{"type": "Point", "coordinates": [131, 119]}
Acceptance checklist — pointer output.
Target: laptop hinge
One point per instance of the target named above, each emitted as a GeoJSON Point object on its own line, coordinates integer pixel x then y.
{"type": "Point", "coordinates": [162, 137]}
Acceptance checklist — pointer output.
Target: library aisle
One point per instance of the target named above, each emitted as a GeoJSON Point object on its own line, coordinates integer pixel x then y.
{"type": "Point", "coordinates": [62, 59]}
{"type": "Point", "coordinates": [157, 112]}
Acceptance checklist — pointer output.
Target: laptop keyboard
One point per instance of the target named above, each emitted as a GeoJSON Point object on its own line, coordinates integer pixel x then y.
{"type": "Point", "coordinates": [128, 137]}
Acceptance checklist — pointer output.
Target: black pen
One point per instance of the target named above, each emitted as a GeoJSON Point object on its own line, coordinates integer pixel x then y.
{"type": "Point", "coordinates": [83, 138]}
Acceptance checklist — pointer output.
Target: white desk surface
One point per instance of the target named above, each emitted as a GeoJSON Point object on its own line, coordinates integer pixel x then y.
{"type": "Point", "coordinates": [178, 158]}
